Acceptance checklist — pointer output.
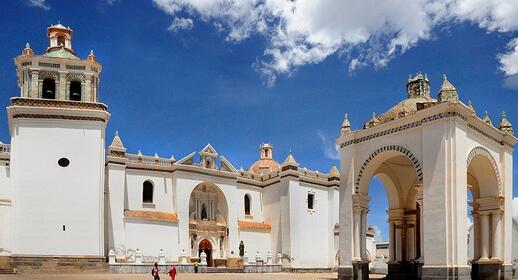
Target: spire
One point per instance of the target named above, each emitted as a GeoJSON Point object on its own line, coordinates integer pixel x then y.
{"type": "Point", "coordinates": [346, 126]}
{"type": "Point", "coordinates": [447, 93]}
{"type": "Point", "coordinates": [486, 119]}
{"type": "Point", "coordinates": [117, 142]}
{"type": "Point", "coordinates": [91, 56]}
{"type": "Point", "coordinates": [470, 106]}
{"type": "Point", "coordinates": [289, 163]}
{"type": "Point", "coordinates": [333, 173]}
{"type": "Point", "coordinates": [505, 125]}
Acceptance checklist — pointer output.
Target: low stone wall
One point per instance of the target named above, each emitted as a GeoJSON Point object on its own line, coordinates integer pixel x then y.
{"type": "Point", "coordinates": [58, 264]}
{"type": "Point", "coordinates": [267, 268]}
{"type": "Point", "coordinates": [131, 268]}
{"type": "Point", "coordinates": [308, 270]}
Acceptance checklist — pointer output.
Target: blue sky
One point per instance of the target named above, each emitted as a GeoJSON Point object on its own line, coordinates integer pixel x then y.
{"type": "Point", "coordinates": [178, 77]}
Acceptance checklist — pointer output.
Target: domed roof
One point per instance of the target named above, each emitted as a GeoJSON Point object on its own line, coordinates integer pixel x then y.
{"type": "Point", "coordinates": [405, 107]}
{"type": "Point", "coordinates": [265, 165]}
{"type": "Point", "coordinates": [61, 53]}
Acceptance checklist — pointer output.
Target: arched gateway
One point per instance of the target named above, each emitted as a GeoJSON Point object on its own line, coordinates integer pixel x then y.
{"type": "Point", "coordinates": [429, 153]}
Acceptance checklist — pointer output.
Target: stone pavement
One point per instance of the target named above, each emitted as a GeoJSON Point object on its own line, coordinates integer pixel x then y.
{"type": "Point", "coordinates": [219, 276]}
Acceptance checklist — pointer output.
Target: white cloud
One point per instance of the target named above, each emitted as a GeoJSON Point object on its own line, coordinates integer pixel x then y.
{"type": "Point", "coordinates": [509, 60]}
{"type": "Point", "coordinates": [39, 4]}
{"type": "Point", "coordinates": [180, 24]}
{"type": "Point", "coordinates": [364, 33]}
{"type": "Point", "coordinates": [329, 148]}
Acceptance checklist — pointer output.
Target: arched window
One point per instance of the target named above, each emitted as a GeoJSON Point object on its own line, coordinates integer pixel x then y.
{"type": "Point", "coordinates": [247, 204]}
{"type": "Point", "coordinates": [147, 192]}
{"type": "Point", "coordinates": [61, 41]}
{"type": "Point", "coordinates": [48, 90]}
{"type": "Point", "coordinates": [75, 91]}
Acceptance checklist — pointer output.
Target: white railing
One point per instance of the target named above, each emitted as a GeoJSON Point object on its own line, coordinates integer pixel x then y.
{"type": "Point", "coordinates": [149, 159]}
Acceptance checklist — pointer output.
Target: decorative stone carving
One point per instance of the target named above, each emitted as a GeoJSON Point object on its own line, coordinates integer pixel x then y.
{"type": "Point", "coordinates": [203, 258]}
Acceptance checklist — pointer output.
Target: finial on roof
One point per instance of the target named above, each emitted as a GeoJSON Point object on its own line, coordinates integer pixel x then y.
{"type": "Point", "coordinates": [27, 51]}
{"type": "Point", "coordinates": [91, 56]}
{"type": "Point", "coordinates": [372, 122]}
{"type": "Point", "coordinates": [333, 172]}
{"type": "Point", "coordinates": [447, 92]}
{"type": "Point", "coordinates": [346, 126]}
{"type": "Point", "coordinates": [172, 157]}
{"type": "Point", "coordinates": [117, 142]}
{"type": "Point", "coordinates": [470, 106]}
{"type": "Point", "coordinates": [290, 160]}
{"type": "Point", "coordinates": [505, 125]}
{"type": "Point", "coordinates": [139, 153]}
{"type": "Point", "coordinates": [487, 119]}
{"type": "Point", "coordinates": [156, 155]}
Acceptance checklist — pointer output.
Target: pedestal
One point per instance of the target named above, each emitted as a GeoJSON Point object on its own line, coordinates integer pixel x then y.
{"type": "Point", "coordinates": [345, 273]}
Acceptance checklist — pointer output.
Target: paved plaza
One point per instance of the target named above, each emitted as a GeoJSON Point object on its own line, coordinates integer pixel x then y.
{"type": "Point", "coordinates": [218, 276]}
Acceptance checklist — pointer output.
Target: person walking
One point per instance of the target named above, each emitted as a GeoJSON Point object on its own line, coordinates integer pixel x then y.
{"type": "Point", "coordinates": [172, 272]}
{"type": "Point", "coordinates": [154, 271]}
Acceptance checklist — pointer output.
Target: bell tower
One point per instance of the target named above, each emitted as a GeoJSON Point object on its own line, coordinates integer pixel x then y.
{"type": "Point", "coordinates": [57, 127]}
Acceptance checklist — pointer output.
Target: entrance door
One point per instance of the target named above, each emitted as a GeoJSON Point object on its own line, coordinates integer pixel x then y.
{"type": "Point", "coordinates": [206, 246]}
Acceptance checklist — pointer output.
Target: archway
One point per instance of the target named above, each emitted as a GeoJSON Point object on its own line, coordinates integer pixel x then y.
{"type": "Point", "coordinates": [399, 172]}
{"type": "Point", "coordinates": [208, 220]}
{"type": "Point", "coordinates": [206, 246]}
{"type": "Point", "coordinates": [487, 209]}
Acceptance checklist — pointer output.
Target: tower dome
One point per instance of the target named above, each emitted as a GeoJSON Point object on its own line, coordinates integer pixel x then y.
{"type": "Point", "coordinates": [266, 163]}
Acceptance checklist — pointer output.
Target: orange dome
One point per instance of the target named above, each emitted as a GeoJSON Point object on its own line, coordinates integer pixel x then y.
{"type": "Point", "coordinates": [265, 165]}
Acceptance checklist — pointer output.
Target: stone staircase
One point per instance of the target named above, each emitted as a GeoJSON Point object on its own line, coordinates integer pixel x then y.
{"type": "Point", "coordinates": [6, 266]}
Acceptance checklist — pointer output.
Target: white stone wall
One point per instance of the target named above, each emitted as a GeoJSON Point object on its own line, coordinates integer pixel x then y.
{"type": "Point", "coordinates": [255, 241]}
{"type": "Point", "coordinates": [151, 236]}
{"type": "Point", "coordinates": [47, 197]}
{"type": "Point", "coordinates": [5, 208]}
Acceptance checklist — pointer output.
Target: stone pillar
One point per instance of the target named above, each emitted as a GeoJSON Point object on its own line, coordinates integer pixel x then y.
{"type": "Point", "coordinates": [87, 94]}
{"type": "Point", "coordinates": [61, 93]}
{"type": "Point", "coordinates": [419, 199]}
{"type": "Point", "coordinates": [484, 232]}
{"type": "Point", "coordinates": [495, 230]}
{"type": "Point", "coordinates": [356, 225]}
{"type": "Point", "coordinates": [476, 235]}
{"type": "Point", "coordinates": [279, 258]}
{"type": "Point", "coordinates": [33, 91]}
{"type": "Point", "coordinates": [363, 236]}
{"type": "Point", "coordinates": [183, 257]}
{"type": "Point", "coordinates": [399, 244]}
{"type": "Point", "coordinates": [410, 241]}
{"type": "Point", "coordinates": [161, 257]}
{"type": "Point", "coordinates": [392, 242]}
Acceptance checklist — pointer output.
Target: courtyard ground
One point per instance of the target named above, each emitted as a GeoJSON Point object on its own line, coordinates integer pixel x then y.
{"type": "Point", "coordinates": [203, 276]}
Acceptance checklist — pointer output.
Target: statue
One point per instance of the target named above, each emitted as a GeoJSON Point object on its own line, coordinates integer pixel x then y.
{"type": "Point", "coordinates": [241, 249]}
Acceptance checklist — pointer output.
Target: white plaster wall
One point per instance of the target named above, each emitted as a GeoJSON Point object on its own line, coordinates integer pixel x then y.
{"type": "Point", "coordinates": [256, 203]}
{"type": "Point", "coordinates": [255, 241]}
{"type": "Point", "coordinates": [48, 196]}
{"type": "Point", "coordinates": [162, 190]}
{"type": "Point", "coordinates": [151, 236]}
{"type": "Point", "coordinates": [275, 201]}
{"type": "Point", "coordinates": [5, 208]}
{"type": "Point", "coordinates": [115, 205]}
{"type": "Point", "coordinates": [309, 228]}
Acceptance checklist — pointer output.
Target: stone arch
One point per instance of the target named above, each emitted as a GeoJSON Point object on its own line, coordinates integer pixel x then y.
{"type": "Point", "coordinates": [391, 148]}
{"type": "Point", "coordinates": [48, 74]}
{"type": "Point", "coordinates": [481, 151]}
{"type": "Point", "coordinates": [76, 77]}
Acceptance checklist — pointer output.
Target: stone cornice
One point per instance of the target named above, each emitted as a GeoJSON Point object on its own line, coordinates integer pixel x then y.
{"type": "Point", "coordinates": [437, 112]}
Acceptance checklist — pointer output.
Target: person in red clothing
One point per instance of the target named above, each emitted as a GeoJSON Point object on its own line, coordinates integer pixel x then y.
{"type": "Point", "coordinates": [172, 272]}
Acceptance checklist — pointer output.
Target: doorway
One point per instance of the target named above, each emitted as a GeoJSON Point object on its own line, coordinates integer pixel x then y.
{"type": "Point", "coordinates": [206, 246]}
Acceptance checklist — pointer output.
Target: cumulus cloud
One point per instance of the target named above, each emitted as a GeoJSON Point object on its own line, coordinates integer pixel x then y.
{"type": "Point", "coordinates": [180, 24]}
{"type": "Point", "coordinates": [39, 4]}
{"type": "Point", "coordinates": [329, 148]}
{"type": "Point", "coordinates": [364, 33]}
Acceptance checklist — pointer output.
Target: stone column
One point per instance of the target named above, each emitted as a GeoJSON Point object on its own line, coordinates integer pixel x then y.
{"type": "Point", "coordinates": [399, 242]}
{"type": "Point", "coordinates": [86, 95]}
{"type": "Point", "coordinates": [495, 230]}
{"type": "Point", "coordinates": [419, 197]}
{"type": "Point", "coordinates": [410, 241]}
{"type": "Point", "coordinates": [392, 242]}
{"type": "Point", "coordinates": [484, 232]}
{"type": "Point", "coordinates": [33, 91]}
{"type": "Point", "coordinates": [356, 225]}
{"type": "Point", "coordinates": [476, 236]}
{"type": "Point", "coordinates": [62, 91]}
{"type": "Point", "coordinates": [363, 248]}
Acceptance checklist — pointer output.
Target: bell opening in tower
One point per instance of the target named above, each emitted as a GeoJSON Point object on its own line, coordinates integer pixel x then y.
{"type": "Point", "coordinates": [75, 91]}
{"type": "Point", "coordinates": [48, 90]}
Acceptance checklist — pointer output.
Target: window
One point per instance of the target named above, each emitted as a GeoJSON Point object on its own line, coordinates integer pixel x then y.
{"type": "Point", "coordinates": [75, 91]}
{"type": "Point", "coordinates": [247, 204]}
{"type": "Point", "coordinates": [61, 41]}
{"type": "Point", "coordinates": [311, 201]}
{"type": "Point", "coordinates": [48, 90]}
{"type": "Point", "coordinates": [147, 192]}
{"type": "Point", "coordinates": [63, 162]}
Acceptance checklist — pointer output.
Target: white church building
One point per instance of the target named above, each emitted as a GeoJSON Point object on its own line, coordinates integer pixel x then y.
{"type": "Point", "coordinates": [65, 191]}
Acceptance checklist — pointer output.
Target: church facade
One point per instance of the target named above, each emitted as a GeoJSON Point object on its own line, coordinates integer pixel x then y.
{"type": "Point", "coordinates": [63, 193]}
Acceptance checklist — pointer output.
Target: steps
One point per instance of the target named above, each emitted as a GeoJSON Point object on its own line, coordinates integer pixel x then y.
{"type": "Point", "coordinates": [7, 271]}
{"type": "Point", "coordinates": [222, 270]}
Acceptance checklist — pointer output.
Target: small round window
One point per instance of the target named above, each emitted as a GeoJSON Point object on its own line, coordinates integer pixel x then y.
{"type": "Point", "coordinates": [63, 162]}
